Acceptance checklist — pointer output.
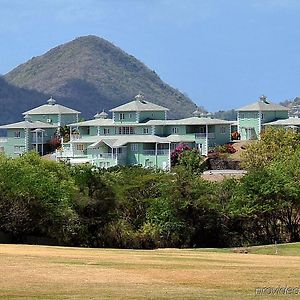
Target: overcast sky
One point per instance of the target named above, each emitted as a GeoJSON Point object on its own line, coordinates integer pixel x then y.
{"type": "Point", "coordinates": [221, 53]}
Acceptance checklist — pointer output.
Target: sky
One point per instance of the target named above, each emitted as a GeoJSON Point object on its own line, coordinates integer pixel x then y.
{"type": "Point", "coordinates": [223, 54]}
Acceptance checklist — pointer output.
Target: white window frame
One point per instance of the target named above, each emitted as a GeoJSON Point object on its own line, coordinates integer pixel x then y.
{"type": "Point", "coordinates": [106, 131]}
{"type": "Point", "coordinates": [79, 147]}
{"type": "Point", "coordinates": [17, 134]}
{"type": "Point", "coordinates": [122, 116]}
{"type": "Point", "coordinates": [174, 130]}
{"type": "Point", "coordinates": [19, 149]}
{"type": "Point", "coordinates": [134, 147]}
{"type": "Point", "coordinates": [145, 130]}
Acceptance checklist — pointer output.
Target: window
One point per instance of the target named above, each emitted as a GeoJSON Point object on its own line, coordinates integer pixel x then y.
{"type": "Point", "coordinates": [106, 131]}
{"type": "Point", "coordinates": [79, 147]}
{"type": "Point", "coordinates": [173, 146]}
{"type": "Point", "coordinates": [262, 116]}
{"type": "Point", "coordinates": [242, 116]}
{"type": "Point", "coordinates": [145, 130]}
{"type": "Point", "coordinates": [17, 134]}
{"type": "Point", "coordinates": [174, 130]}
{"type": "Point", "coordinates": [19, 149]}
{"type": "Point", "coordinates": [222, 129]}
{"type": "Point", "coordinates": [126, 130]}
{"type": "Point", "coordinates": [134, 147]}
{"type": "Point", "coordinates": [121, 116]}
{"type": "Point", "coordinates": [130, 116]}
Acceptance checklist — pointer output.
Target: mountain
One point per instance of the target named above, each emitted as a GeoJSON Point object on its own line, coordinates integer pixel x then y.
{"type": "Point", "coordinates": [15, 100]}
{"type": "Point", "coordinates": [90, 74]}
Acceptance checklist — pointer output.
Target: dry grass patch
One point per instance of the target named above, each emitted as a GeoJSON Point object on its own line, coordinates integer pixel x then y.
{"type": "Point", "coordinates": [40, 272]}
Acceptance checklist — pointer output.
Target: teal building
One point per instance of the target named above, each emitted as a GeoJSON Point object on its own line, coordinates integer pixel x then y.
{"type": "Point", "coordinates": [139, 133]}
{"type": "Point", "coordinates": [251, 118]}
{"type": "Point", "coordinates": [39, 127]}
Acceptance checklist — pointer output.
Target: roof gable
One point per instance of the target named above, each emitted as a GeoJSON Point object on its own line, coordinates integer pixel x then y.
{"type": "Point", "coordinates": [139, 104]}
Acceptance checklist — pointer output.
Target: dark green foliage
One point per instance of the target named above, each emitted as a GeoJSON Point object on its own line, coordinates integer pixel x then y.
{"type": "Point", "coordinates": [90, 74]}
{"type": "Point", "coordinates": [132, 207]}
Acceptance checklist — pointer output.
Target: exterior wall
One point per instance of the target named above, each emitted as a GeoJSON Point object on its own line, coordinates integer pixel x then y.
{"type": "Point", "coordinates": [269, 116]}
{"type": "Point", "coordinates": [249, 120]}
{"type": "Point", "coordinates": [45, 118]}
{"type": "Point", "coordinates": [222, 134]}
{"type": "Point", "coordinates": [146, 157]}
{"type": "Point", "coordinates": [168, 129]}
{"type": "Point", "coordinates": [64, 119]}
{"type": "Point", "coordinates": [255, 120]}
{"type": "Point", "coordinates": [151, 115]}
{"type": "Point", "coordinates": [13, 146]}
{"type": "Point", "coordinates": [129, 117]}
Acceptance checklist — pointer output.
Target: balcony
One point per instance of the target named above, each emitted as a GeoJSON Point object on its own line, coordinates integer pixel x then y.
{"type": "Point", "coordinates": [75, 136]}
{"type": "Point", "coordinates": [3, 139]}
{"type": "Point", "coordinates": [159, 152]}
{"type": "Point", "coordinates": [104, 155]}
{"type": "Point", "coordinates": [203, 135]}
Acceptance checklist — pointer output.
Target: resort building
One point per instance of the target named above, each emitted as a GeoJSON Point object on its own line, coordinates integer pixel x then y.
{"type": "Point", "coordinates": [36, 131]}
{"type": "Point", "coordinates": [251, 118]}
{"type": "Point", "coordinates": [139, 133]}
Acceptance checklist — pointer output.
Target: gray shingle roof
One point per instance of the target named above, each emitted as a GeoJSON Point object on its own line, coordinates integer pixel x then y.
{"type": "Point", "coordinates": [95, 122]}
{"type": "Point", "coordinates": [139, 104]}
{"type": "Point", "coordinates": [190, 121]}
{"type": "Point", "coordinates": [27, 124]}
{"type": "Point", "coordinates": [285, 122]}
{"type": "Point", "coordinates": [263, 106]}
{"type": "Point", "coordinates": [120, 140]}
{"type": "Point", "coordinates": [51, 108]}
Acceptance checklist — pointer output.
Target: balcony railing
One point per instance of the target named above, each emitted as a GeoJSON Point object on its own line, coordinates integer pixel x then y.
{"type": "Point", "coordinates": [75, 136]}
{"type": "Point", "coordinates": [104, 155]}
{"type": "Point", "coordinates": [159, 152]}
{"type": "Point", "coordinates": [203, 135]}
{"type": "Point", "coordinates": [3, 139]}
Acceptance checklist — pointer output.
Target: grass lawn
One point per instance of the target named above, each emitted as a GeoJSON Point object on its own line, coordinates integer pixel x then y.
{"type": "Point", "coordinates": [42, 272]}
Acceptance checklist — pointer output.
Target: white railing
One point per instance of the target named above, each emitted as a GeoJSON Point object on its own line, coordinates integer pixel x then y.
{"type": "Point", "coordinates": [103, 155]}
{"type": "Point", "coordinates": [203, 135]}
{"type": "Point", "coordinates": [159, 152]}
{"type": "Point", "coordinates": [3, 139]}
{"type": "Point", "coordinates": [75, 137]}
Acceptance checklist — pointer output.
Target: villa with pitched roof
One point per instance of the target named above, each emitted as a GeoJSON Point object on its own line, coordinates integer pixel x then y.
{"type": "Point", "coordinates": [38, 128]}
{"type": "Point", "coordinates": [252, 118]}
{"type": "Point", "coordinates": [139, 133]}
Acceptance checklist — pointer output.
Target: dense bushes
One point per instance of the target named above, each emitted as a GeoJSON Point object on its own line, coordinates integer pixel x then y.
{"type": "Point", "coordinates": [131, 207]}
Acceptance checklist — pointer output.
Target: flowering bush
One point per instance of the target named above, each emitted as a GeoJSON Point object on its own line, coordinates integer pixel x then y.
{"type": "Point", "coordinates": [177, 152]}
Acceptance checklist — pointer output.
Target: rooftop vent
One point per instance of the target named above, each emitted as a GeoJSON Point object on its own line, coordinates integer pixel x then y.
{"type": "Point", "coordinates": [27, 118]}
{"type": "Point", "coordinates": [51, 101]}
{"type": "Point", "coordinates": [263, 99]}
{"type": "Point", "coordinates": [102, 115]}
{"type": "Point", "coordinates": [140, 97]}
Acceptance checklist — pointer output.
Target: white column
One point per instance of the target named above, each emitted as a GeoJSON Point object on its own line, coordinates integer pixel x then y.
{"type": "Point", "coordinates": [206, 139]}
{"type": "Point", "coordinates": [42, 150]}
{"type": "Point", "coordinates": [259, 123]}
{"type": "Point", "coordinates": [155, 155]}
{"type": "Point", "coordinates": [238, 122]}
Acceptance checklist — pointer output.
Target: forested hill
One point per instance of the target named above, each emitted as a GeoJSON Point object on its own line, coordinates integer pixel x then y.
{"type": "Point", "coordinates": [90, 74]}
{"type": "Point", "coordinates": [15, 100]}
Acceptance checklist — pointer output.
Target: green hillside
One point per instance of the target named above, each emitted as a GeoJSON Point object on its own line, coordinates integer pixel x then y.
{"type": "Point", "coordinates": [91, 74]}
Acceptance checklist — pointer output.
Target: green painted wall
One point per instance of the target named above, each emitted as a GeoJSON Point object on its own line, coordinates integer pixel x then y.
{"type": "Point", "coordinates": [129, 117]}
{"type": "Point", "coordinates": [151, 115]}
{"type": "Point", "coordinates": [65, 118]}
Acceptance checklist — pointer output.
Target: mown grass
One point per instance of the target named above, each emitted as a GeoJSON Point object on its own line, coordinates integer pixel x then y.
{"type": "Point", "coordinates": [42, 272]}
